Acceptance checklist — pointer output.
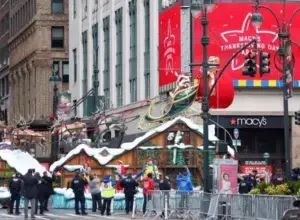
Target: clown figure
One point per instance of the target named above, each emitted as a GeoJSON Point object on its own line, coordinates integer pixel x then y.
{"type": "Point", "coordinates": [150, 167]}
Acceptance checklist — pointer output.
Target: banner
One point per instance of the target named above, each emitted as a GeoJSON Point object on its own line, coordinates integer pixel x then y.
{"type": "Point", "coordinates": [169, 45]}
{"type": "Point", "coordinates": [230, 28]}
{"type": "Point", "coordinates": [246, 169]}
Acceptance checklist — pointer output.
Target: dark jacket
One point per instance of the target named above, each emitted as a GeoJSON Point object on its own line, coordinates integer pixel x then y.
{"type": "Point", "coordinates": [30, 186]}
{"type": "Point", "coordinates": [164, 185]}
{"type": "Point", "coordinates": [245, 187]}
{"type": "Point", "coordinates": [49, 184]}
{"type": "Point", "coordinates": [77, 185]}
{"type": "Point", "coordinates": [41, 188]}
{"type": "Point", "coordinates": [252, 180]}
{"type": "Point", "coordinates": [15, 186]}
{"type": "Point", "coordinates": [129, 184]}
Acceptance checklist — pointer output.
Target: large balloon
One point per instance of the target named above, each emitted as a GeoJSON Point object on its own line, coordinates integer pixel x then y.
{"type": "Point", "coordinates": [223, 94]}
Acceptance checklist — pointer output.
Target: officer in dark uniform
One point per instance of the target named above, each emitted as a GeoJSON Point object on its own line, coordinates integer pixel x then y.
{"type": "Point", "coordinates": [129, 184]}
{"type": "Point", "coordinates": [15, 187]}
{"type": "Point", "coordinates": [77, 185]}
{"type": "Point", "coordinates": [245, 185]}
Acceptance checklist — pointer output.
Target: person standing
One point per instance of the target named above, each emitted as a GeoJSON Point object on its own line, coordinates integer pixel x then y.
{"type": "Point", "coordinates": [78, 185]}
{"type": "Point", "coordinates": [108, 192]}
{"type": "Point", "coordinates": [15, 187]}
{"type": "Point", "coordinates": [95, 191]}
{"type": "Point", "coordinates": [148, 186]}
{"type": "Point", "coordinates": [129, 184]}
{"type": "Point", "coordinates": [41, 193]}
{"type": "Point", "coordinates": [165, 187]}
{"type": "Point", "coordinates": [30, 192]}
{"type": "Point", "coordinates": [49, 189]}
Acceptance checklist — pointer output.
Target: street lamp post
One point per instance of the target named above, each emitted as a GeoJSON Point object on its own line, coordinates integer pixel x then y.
{"type": "Point", "coordinates": [284, 37]}
{"type": "Point", "coordinates": [54, 79]}
{"type": "Point", "coordinates": [95, 79]}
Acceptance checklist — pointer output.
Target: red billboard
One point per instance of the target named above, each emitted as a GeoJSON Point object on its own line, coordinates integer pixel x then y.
{"type": "Point", "coordinates": [169, 45]}
{"type": "Point", "coordinates": [230, 28]}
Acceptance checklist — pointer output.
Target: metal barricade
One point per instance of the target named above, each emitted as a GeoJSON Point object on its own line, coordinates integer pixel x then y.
{"type": "Point", "coordinates": [205, 206]}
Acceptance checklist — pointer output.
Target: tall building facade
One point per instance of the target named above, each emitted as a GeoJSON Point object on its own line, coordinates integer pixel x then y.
{"type": "Point", "coordinates": [119, 38]}
{"type": "Point", "coordinates": [38, 47]}
{"type": "Point", "coordinates": [4, 59]}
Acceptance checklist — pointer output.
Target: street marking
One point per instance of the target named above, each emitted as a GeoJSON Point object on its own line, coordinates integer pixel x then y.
{"type": "Point", "coordinates": [81, 216]}
{"type": "Point", "coordinates": [40, 217]}
{"type": "Point", "coordinates": [7, 215]}
{"type": "Point", "coordinates": [57, 216]}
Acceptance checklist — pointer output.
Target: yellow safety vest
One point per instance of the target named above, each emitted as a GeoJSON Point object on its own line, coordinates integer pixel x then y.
{"type": "Point", "coordinates": [107, 190]}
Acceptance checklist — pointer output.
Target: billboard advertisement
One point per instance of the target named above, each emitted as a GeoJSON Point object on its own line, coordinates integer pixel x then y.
{"type": "Point", "coordinates": [233, 29]}
{"type": "Point", "coordinates": [169, 45]}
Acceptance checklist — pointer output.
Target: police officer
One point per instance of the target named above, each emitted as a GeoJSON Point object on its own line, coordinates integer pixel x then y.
{"type": "Point", "coordinates": [77, 185]}
{"type": "Point", "coordinates": [15, 187]}
{"type": "Point", "coordinates": [108, 192]}
{"type": "Point", "coordinates": [129, 184]}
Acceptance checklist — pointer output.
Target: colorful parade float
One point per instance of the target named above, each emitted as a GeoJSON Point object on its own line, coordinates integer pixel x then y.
{"type": "Point", "coordinates": [172, 139]}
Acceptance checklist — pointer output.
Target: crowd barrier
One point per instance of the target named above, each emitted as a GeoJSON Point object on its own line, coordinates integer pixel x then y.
{"type": "Point", "coordinates": [200, 205]}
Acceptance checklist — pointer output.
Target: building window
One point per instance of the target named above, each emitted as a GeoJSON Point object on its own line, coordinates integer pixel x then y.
{"type": "Point", "coordinates": [75, 64]}
{"type": "Point", "coordinates": [65, 73]}
{"type": "Point", "coordinates": [133, 51]}
{"type": "Point", "coordinates": [119, 56]}
{"type": "Point", "coordinates": [55, 68]}
{"type": "Point", "coordinates": [57, 37]}
{"type": "Point", "coordinates": [74, 8]}
{"type": "Point", "coordinates": [57, 6]}
{"type": "Point", "coordinates": [147, 50]}
{"type": "Point", "coordinates": [106, 70]}
{"type": "Point", "coordinates": [95, 45]}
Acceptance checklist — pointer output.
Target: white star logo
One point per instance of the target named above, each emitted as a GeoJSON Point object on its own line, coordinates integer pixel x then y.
{"type": "Point", "coordinates": [235, 64]}
{"type": "Point", "coordinates": [169, 44]}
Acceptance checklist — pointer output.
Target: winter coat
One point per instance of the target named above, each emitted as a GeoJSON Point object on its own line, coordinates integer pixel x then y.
{"type": "Point", "coordinates": [15, 186]}
{"type": "Point", "coordinates": [77, 185]}
{"type": "Point", "coordinates": [184, 182]}
{"type": "Point", "coordinates": [129, 184]}
{"type": "Point", "coordinates": [245, 187]}
{"type": "Point", "coordinates": [148, 185]}
{"type": "Point", "coordinates": [49, 184]}
{"type": "Point", "coordinates": [252, 180]}
{"type": "Point", "coordinates": [42, 188]}
{"type": "Point", "coordinates": [94, 186]}
{"type": "Point", "coordinates": [164, 185]}
{"type": "Point", "coordinates": [30, 186]}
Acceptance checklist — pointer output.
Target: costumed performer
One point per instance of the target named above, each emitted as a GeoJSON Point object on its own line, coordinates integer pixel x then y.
{"type": "Point", "coordinates": [150, 167]}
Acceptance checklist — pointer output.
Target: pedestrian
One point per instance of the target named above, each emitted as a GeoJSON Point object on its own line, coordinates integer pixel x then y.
{"type": "Point", "coordinates": [41, 193]}
{"type": "Point", "coordinates": [108, 192]}
{"type": "Point", "coordinates": [165, 187]}
{"type": "Point", "coordinates": [148, 186]}
{"type": "Point", "coordinates": [30, 192]}
{"type": "Point", "coordinates": [184, 187]}
{"type": "Point", "coordinates": [129, 184]}
{"type": "Point", "coordinates": [15, 186]}
{"type": "Point", "coordinates": [49, 188]}
{"type": "Point", "coordinates": [78, 185]}
{"type": "Point", "coordinates": [244, 185]}
{"type": "Point", "coordinates": [95, 191]}
{"type": "Point", "coordinates": [252, 178]}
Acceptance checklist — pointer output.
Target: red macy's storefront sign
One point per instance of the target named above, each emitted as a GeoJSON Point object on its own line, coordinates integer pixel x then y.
{"type": "Point", "coordinates": [230, 28]}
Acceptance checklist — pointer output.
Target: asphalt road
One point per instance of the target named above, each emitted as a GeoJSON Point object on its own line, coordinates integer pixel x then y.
{"type": "Point", "coordinates": [61, 214]}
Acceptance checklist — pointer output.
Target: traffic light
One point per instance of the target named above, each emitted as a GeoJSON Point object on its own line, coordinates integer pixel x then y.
{"type": "Point", "coordinates": [297, 117]}
{"type": "Point", "coordinates": [249, 68]}
{"type": "Point", "coordinates": [264, 63]}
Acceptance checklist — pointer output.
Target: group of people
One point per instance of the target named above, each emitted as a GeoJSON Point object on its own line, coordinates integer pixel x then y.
{"type": "Point", "coordinates": [105, 190]}
{"type": "Point", "coordinates": [35, 189]}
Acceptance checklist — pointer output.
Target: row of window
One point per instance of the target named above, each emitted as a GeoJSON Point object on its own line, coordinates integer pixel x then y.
{"type": "Point", "coordinates": [22, 16]}
{"type": "Point", "coordinates": [119, 55]}
{"type": "Point", "coordinates": [84, 7]}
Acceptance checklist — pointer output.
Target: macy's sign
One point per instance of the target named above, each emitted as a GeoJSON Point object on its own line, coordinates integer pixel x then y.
{"type": "Point", "coordinates": [259, 122]}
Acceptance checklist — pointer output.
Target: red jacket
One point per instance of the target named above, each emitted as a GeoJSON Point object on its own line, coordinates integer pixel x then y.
{"type": "Point", "coordinates": [148, 185]}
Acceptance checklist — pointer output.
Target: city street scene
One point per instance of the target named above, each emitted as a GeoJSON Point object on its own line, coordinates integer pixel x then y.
{"type": "Point", "coordinates": [150, 109]}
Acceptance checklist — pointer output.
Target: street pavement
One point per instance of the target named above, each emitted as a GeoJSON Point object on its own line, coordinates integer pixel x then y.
{"type": "Point", "coordinates": [63, 214]}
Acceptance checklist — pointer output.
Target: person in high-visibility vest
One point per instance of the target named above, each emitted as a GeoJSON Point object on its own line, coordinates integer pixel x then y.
{"type": "Point", "coordinates": [108, 192]}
